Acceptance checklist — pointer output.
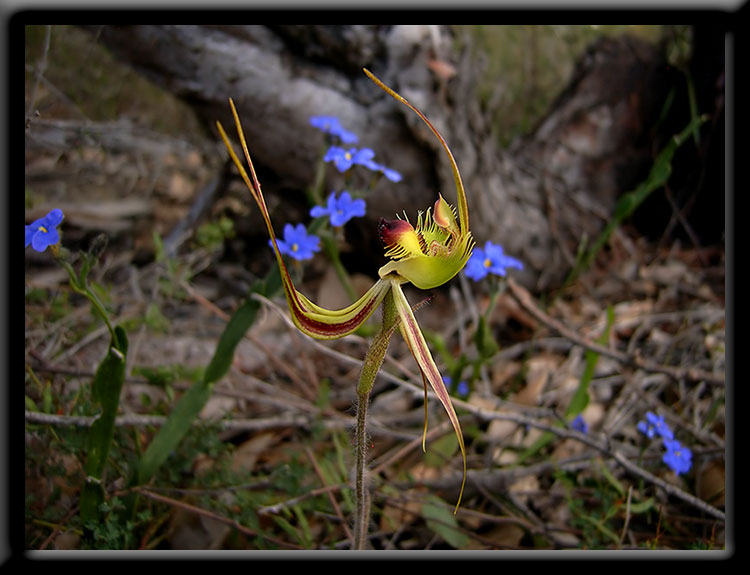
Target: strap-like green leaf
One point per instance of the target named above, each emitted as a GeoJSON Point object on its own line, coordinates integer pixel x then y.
{"type": "Point", "coordinates": [105, 391]}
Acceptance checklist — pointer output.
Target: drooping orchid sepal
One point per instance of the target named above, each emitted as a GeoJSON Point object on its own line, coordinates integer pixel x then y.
{"type": "Point", "coordinates": [311, 319]}
{"type": "Point", "coordinates": [417, 344]}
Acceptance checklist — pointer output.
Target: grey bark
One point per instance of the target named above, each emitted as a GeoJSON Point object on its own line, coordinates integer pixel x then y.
{"type": "Point", "coordinates": [537, 199]}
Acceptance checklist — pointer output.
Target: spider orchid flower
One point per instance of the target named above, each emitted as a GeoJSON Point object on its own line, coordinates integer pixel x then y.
{"type": "Point", "coordinates": [427, 255]}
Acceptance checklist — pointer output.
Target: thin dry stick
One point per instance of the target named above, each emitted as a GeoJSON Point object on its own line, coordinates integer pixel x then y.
{"type": "Point", "coordinates": [256, 424]}
{"type": "Point", "coordinates": [694, 374]}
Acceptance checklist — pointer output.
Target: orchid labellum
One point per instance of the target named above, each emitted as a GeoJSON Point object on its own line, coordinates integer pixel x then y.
{"type": "Point", "coordinates": [427, 255]}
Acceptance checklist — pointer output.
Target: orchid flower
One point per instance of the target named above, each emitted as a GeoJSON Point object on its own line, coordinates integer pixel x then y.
{"type": "Point", "coordinates": [427, 255]}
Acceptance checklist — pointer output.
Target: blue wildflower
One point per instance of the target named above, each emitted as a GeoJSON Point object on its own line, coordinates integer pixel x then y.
{"type": "Point", "coordinates": [490, 260]}
{"type": "Point", "coordinates": [340, 210]}
{"type": "Point", "coordinates": [345, 159]}
{"type": "Point", "coordinates": [389, 173]}
{"type": "Point", "coordinates": [297, 243]}
{"type": "Point", "coordinates": [579, 424]}
{"type": "Point", "coordinates": [677, 457]}
{"type": "Point", "coordinates": [462, 389]}
{"type": "Point", "coordinates": [655, 425]}
{"type": "Point", "coordinates": [43, 232]}
{"type": "Point", "coordinates": [331, 125]}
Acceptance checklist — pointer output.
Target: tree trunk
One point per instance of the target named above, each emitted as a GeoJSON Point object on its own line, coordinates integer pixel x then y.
{"type": "Point", "coordinates": [537, 199]}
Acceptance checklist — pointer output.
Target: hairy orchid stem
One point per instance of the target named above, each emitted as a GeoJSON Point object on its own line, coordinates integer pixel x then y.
{"type": "Point", "coordinates": [371, 366]}
{"type": "Point", "coordinates": [361, 495]}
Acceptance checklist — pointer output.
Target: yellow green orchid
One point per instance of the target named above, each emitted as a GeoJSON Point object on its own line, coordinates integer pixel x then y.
{"type": "Point", "coordinates": [427, 255]}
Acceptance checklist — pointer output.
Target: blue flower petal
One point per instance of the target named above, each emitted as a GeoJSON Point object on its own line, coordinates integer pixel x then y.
{"type": "Point", "coordinates": [346, 136]}
{"type": "Point", "coordinates": [297, 243]}
{"type": "Point", "coordinates": [318, 211]}
{"type": "Point", "coordinates": [363, 156]}
{"type": "Point", "coordinates": [490, 260]}
{"type": "Point", "coordinates": [475, 268]}
{"type": "Point", "coordinates": [332, 125]}
{"type": "Point", "coordinates": [54, 218]}
{"type": "Point", "coordinates": [340, 210]}
{"type": "Point", "coordinates": [391, 174]}
{"type": "Point", "coordinates": [43, 233]}
{"type": "Point", "coordinates": [677, 457]}
{"type": "Point", "coordinates": [463, 389]}
{"type": "Point", "coordinates": [42, 240]}
{"type": "Point", "coordinates": [579, 424]}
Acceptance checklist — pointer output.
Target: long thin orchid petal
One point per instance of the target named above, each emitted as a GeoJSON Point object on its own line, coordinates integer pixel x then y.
{"type": "Point", "coordinates": [310, 318]}
{"type": "Point", "coordinates": [463, 208]}
{"type": "Point", "coordinates": [418, 347]}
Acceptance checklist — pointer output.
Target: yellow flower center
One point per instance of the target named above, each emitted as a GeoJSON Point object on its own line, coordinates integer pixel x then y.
{"type": "Point", "coordinates": [42, 229]}
{"type": "Point", "coordinates": [295, 247]}
{"type": "Point", "coordinates": [487, 263]}
{"type": "Point", "coordinates": [347, 155]}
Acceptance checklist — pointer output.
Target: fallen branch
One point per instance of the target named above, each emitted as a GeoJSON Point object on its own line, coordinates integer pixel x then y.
{"type": "Point", "coordinates": [238, 425]}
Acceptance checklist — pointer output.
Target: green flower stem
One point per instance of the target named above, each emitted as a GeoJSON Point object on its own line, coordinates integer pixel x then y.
{"type": "Point", "coordinates": [373, 361]}
{"type": "Point", "coordinates": [332, 251]}
{"type": "Point", "coordinates": [497, 286]}
{"type": "Point", "coordinates": [80, 285]}
{"type": "Point", "coordinates": [315, 192]}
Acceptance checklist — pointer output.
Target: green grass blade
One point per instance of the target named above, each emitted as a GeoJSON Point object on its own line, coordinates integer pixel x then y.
{"type": "Point", "coordinates": [440, 519]}
{"type": "Point", "coordinates": [191, 404]}
{"type": "Point", "coordinates": [173, 430]}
